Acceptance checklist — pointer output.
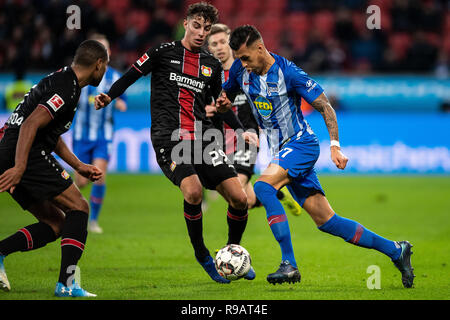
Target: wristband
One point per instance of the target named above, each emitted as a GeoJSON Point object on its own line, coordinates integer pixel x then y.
{"type": "Point", "coordinates": [334, 143]}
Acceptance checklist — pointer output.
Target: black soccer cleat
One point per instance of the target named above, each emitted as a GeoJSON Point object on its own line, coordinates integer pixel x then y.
{"type": "Point", "coordinates": [404, 264]}
{"type": "Point", "coordinates": [286, 273]}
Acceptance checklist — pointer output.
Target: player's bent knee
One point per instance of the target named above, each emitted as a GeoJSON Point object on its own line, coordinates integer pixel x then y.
{"type": "Point", "coordinates": [80, 205]}
{"type": "Point", "coordinates": [239, 201]}
{"type": "Point", "coordinates": [193, 196]}
{"type": "Point", "coordinates": [57, 224]}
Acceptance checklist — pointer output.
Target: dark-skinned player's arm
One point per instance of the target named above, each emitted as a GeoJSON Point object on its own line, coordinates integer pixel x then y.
{"type": "Point", "coordinates": [38, 119]}
{"type": "Point", "coordinates": [86, 170]}
{"type": "Point", "coordinates": [322, 104]}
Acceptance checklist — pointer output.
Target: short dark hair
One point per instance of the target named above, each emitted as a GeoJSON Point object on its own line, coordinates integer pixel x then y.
{"type": "Point", "coordinates": [88, 52]}
{"type": "Point", "coordinates": [206, 10]}
{"type": "Point", "coordinates": [246, 34]}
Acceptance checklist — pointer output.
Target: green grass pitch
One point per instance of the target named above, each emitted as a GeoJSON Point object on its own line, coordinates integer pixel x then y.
{"type": "Point", "coordinates": [145, 251]}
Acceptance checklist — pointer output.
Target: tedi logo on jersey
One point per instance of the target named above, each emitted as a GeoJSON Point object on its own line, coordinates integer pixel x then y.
{"type": "Point", "coordinates": [263, 106]}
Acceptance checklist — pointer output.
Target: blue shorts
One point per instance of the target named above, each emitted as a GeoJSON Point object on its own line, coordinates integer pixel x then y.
{"type": "Point", "coordinates": [298, 156]}
{"type": "Point", "coordinates": [87, 151]}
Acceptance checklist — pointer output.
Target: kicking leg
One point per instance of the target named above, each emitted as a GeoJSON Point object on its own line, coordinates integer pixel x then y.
{"type": "Point", "coordinates": [237, 214]}
{"type": "Point", "coordinates": [351, 231]}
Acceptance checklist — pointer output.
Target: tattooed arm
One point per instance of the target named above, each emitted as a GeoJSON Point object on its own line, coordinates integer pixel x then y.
{"type": "Point", "coordinates": [322, 105]}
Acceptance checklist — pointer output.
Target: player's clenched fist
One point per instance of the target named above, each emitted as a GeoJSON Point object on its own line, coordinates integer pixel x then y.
{"type": "Point", "coordinates": [101, 101]}
{"type": "Point", "coordinates": [210, 110]}
{"type": "Point", "coordinates": [89, 171]}
{"type": "Point", "coordinates": [339, 159]}
{"type": "Point", "coordinates": [223, 104]}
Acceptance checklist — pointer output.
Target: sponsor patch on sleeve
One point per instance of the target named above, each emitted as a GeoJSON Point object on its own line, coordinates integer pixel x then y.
{"type": "Point", "coordinates": [142, 59]}
{"type": "Point", "coordinates": [55, 102]}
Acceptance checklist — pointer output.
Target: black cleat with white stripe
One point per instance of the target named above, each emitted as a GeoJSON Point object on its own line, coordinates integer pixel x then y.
{"type": "Point", "coordinates": [286, 273]}
{"type": "Point", "coordinates": [403, 263]}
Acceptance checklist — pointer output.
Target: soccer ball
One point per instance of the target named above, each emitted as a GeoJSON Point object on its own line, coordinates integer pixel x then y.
{"type": "Point", "coordinates": [233, 262]}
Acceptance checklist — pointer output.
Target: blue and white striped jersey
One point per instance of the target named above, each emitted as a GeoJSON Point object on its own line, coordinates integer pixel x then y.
{"type": "Point", "coordinates": [276, 98]}
{"type": "Point", "coordinates": [90, 124]}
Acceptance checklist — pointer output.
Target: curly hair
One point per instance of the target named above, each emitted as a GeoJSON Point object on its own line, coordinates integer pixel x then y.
{"type": "Point", "coordinates": [205, 10]}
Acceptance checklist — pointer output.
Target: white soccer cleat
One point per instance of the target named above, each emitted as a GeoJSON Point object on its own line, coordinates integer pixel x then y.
{"type": "Point", "coordinates": [94, 227]}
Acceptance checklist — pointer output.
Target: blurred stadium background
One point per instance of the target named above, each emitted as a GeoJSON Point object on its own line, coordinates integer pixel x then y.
{"type": "Point", "coordinates": [390, 86]}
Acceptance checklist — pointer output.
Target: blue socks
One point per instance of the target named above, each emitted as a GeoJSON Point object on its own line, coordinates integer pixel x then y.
{"type": "Point", "coordinates": [96, 200]}
{"type": "Point", "coordinates": [355, 233]}
{"type": "Point", "coordinates": [349, 230]}
{"type": "Point", "coordinates": [277, 219]}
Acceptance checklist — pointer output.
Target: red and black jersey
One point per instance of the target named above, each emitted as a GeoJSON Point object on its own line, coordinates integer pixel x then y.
{"type": "Point", "coordinates": [181, 81]}
{"type": "Point", "coordinates": [58, 94]}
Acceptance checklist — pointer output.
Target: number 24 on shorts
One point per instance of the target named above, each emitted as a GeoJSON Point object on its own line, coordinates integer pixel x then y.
{"type": "Point", "coordinates": [215, 157]}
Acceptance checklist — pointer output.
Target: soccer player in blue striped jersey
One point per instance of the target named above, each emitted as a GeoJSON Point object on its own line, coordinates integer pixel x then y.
{"type": "Point", "coordinates": [275, 87]}
{"type": "Point", "coordinates": [93, 134]}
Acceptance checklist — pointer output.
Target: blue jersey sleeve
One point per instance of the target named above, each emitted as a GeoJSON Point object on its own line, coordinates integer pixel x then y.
{"type": "Point", "coordinates": [232, 84]}
{"type": "Point", "coordinates": [306, 87]}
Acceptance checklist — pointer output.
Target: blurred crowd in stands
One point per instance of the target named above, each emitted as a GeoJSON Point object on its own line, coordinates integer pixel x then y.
{"type": "Point", "coordinates": [320, 36]}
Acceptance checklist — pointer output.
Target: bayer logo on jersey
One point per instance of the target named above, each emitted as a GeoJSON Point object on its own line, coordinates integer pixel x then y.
{"type": "Point", "coordinates": [263, 106]}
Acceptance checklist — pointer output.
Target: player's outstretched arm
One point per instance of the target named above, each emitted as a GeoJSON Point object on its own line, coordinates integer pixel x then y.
{"type": "Point", "coordinates": [322, 105]}
{"type": "Point", "coordinates": [86, 170]}
{"type": "Point", "coordinates": [117, 89]}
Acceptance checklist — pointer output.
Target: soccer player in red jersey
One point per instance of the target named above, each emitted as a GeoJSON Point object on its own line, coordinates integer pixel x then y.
{"type": "Point", "coordinates": [184, 76]}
